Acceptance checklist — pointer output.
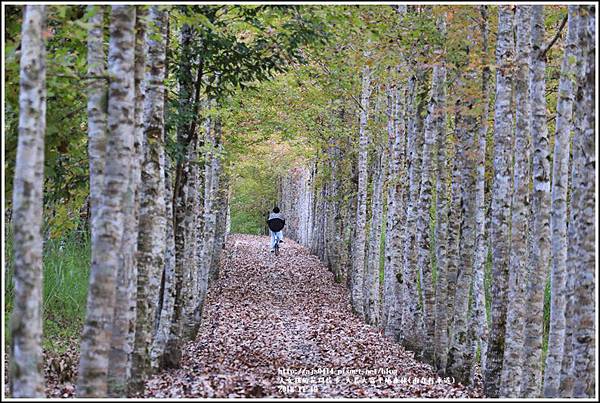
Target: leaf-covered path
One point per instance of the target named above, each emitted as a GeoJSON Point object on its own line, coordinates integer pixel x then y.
{"type": "Point", "coordinates": [268, 314]}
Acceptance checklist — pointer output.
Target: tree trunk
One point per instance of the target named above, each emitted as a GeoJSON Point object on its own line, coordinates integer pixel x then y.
{"type": "Point", "coordinates": [532, 380]}
{"type": "Point", "coordinates": [501, 195]}
{"type": "Point", "coordinates": [411, 316]}
{"type": "Point", "coordinates": [223, 202]}
{"type": "Point", "coordinates": [358, 258]}
{"type": "Point", "coordinates": [97, 105]}
{"type": "Point", "coordinates": [560, 167]}
{"type": "Point", "coordinates": [440, 320]}
{"type": "Point", "coordinates": [190, 254]}
{"type": "Point", "coordinates": [153, 220]}
{"type": "Point", "coordinates": [220, 206]}
{"type": "Point", "coordinates": [185, 135]}
{"type": "Point", "coordinates": [434, 129]}
{"type": "Point", "coordinates": [96, 337]}
{"type": "Point", "coordinates": [395, 218]}
{"type": "Point", "coordinates": [209, 217]}
{"type": "Point", "coordinates": [583, 213]}
{"type": "Point", "coordinates": [26, 370]}
{"type": "Point", "coordinates": [479, 324]}
{"type": "Point", "coordinates": [372, 303]}
{"type": "Point", "coordinates": [453, 234]}
{"type": "Point", "coordinates": [168, 287]}
{"type": "Point", "coordinates": [459, 353]}
{"type": "Point", "coordinates": [124, 321]}
{"type": "Point", "coordinates": [518, 260]}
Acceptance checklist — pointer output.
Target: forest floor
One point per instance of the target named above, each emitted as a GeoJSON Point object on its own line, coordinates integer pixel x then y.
{"type": "Point", "coordinates": [271, 323]}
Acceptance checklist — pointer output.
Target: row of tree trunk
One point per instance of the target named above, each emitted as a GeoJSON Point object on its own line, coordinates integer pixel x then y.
{"type": "Point", "coordinates": [440, 228]}
{"type": "Point", "coordinates": [157, 226]}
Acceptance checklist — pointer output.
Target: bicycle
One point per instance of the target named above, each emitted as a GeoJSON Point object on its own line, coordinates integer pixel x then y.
{"type": "Point", "coordinates": [276, 247]}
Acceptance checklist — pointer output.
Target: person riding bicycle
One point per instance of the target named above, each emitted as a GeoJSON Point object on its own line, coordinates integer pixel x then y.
{"type": "Point", "coordinates": [276, 223]}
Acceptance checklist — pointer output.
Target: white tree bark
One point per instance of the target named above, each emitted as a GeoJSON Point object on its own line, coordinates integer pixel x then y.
{"type": "Point", "coordinates": [215, 200]}
{"type": "Point", "coordinates": [440, 320]}
{"type": "Point", "coordinates": [518, 260]}
{"type": "Point", "coordinates": [209, 215]}
{"type": "Point", "coordinates": [168, 289]}
{"type": "Point", "coordinates": [434, 128]}
{"type": "Point", "coordinates": [459, 352]}
{"type": "Point", "coordinates": [396, 205]}
{"type": "Point", "coordinates": [501, 196]}
{"type": "Point", "coordinates": [172, 356]}
{"type": "Point", "coordinates": [372, 303]}
{"type": "Point", "coordinates": [190, 255]}
{"type": "Point", "coordinates": [532, 380]}
{"type": "Point", "coordinates": [410, 336]}
{"type": "Point", "coordinates": [97, 105]}
{"type": "Point", "coordinates": [441, 296]}
{"type": "Point", "coordinates": [583, 199]}
{"type": "Point", "coordinates": [558, 225]}
{"type": "Point", "coordinates": [124, 322]}
{"type": "Point", "coordinates": [395, 218]}
{"type": "Point", "coordinates": [479, 323]}
{"type": "Point", "coordinates": [453, 227]}
{"type": "Point", "coordinates": [153, 218]}
{"type": "Point", "coordinates": [96, 337]}
{"type": "Point", "coordinates": [26, 366]}
{"type": "Point", "coordinates": [358, 259]}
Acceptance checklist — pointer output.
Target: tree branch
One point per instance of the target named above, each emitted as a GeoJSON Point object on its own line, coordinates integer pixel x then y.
{"type": "Point", "coordinates": [79, 77]}
{"type": "Point", "coordinates": [547, 48]}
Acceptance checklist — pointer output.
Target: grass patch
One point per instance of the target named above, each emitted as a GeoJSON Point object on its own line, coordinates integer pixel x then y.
{"type": "Point", "coordinates": [66, 274]}
{"type": "Point", "coordinates": [546, 321]}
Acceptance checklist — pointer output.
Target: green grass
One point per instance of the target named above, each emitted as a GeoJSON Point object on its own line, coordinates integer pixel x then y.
{"type": "Point", "coordinates": [546, 320]}
{"type": "Point", "coordinates": [244, 222]}
{"type": "Point", "coordinates": [66, 273]}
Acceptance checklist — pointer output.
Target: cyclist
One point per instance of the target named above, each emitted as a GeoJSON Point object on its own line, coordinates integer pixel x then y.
{"type": "Point", "coordinates": [276, 223]}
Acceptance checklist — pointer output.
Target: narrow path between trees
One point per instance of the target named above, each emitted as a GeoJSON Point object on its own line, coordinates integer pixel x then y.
{"type": "Point", "coordinates": [266, 314]}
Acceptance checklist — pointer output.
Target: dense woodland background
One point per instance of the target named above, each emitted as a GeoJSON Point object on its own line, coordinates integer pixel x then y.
{"type": "Point", "coordinates": [439, 159]}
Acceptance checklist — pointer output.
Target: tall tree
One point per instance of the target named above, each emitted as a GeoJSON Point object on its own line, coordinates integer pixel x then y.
{"type": "Point", "coordinates": [96, 337]}
{"type": "Point", "coordinates": [97, 104]}
{"type": "Point", "coordinates": [441, 245]}
{"type": "Point", "coordinates": [434, 129]}
{"type": "Point", "coordinates": [583, 198]}
{"type": "Point", "coordinates": [410, 336]}
{"type": "Point", "coordinates": [212, 172]}
{"type": "Point", "coordinates": [27, 378]}
{"type": "Point", "coordinates": [459, 352]}
{"type": "Point", "coordinates": [190, 255]}
{"type": "Point", "coordinates": [124, 321]}
{"type": "Point", "coordinates": [358, 258]}
{"type": "Point", "coordinates": [501, 196]}
{"type": "Point", "coordinates": [479, 324]}
{"type": "Point", "coordinates": [372, 304]}
{"type": "Point", "coordinates": [167, 295]}
{"type": "Point", "coordinates": [453, 227]}
{"type": "Point", "coordinates": [388, 275]}
{"type": "Point", "coordinates": [540, 207]}
{"type": "Point", "coordinates": [185, 135]}
{"type": "Point", "coordinates": [395, 213]}
{"type": "Point", "coordinates": [558, 225]}
{"type": "Point", "coordinates": [518, 260]}
{"type": "Point", "coordinates": [153, 219]}
{"type": "Point", "coordinates": [167, 290]}
{"type": "Point", "coordinates": [396, 206]}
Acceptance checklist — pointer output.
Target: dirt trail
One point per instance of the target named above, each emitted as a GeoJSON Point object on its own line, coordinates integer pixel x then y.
{"type": "Point", "coordinates": [269, 318]}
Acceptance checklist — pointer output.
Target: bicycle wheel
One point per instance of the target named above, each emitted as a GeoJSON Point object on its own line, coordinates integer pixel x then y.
{"type": "Point", "coordinates": [276, 248]}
